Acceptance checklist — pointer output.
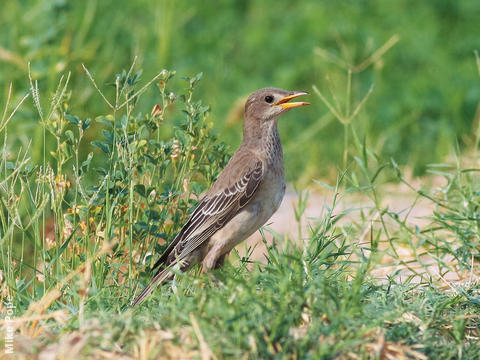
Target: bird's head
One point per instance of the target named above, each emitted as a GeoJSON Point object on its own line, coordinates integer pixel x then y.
{"type": "Point", "coordinates": [267, 104]}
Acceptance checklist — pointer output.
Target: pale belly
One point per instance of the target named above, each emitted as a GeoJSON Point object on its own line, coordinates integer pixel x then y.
{"type": "Point", "coordinates": [252, 217]}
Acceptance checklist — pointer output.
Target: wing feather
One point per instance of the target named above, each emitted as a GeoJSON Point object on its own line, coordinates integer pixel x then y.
{"type": "Point", "coordinates": [211, 214]}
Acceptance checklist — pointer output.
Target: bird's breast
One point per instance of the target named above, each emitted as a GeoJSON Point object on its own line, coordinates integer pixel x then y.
{"type": "Point", "coordinates": [272, 191]}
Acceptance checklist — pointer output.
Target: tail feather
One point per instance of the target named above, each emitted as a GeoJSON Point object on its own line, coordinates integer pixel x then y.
{"type": "Point", "coordinates": [161, 277]}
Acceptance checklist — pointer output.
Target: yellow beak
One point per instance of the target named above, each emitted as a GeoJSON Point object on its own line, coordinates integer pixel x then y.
{"type": "Point", "coordinates": [284, 103]}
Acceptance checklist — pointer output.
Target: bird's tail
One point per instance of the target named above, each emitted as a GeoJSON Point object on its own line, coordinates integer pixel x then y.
{"type": "Point", "coordinates": [160, 278]}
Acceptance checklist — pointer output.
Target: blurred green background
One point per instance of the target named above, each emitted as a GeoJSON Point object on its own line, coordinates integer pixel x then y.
{"type": "Point", "coordinates": [426, 93]}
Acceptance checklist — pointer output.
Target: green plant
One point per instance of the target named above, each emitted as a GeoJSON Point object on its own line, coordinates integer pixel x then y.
{"type": "Point", "coordinates": [80, 231]}
{"type": "Point", "coordinates": [425, 95]}
{"type": "Point", "coordinates": [113, 221]}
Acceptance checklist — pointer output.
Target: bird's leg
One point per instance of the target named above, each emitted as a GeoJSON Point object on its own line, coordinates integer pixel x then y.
{"type": "Point", "coordinates": [213, 262]}
{"type": "Point", "coordinates": [220, 261]}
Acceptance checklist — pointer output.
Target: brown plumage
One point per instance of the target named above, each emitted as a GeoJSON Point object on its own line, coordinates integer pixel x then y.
{"type": "Point", "coordinates": [244, 196]}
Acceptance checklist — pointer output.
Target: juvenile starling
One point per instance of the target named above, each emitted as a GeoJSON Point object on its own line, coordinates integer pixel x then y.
{"type": "Point", "coordinates": [244, 196]}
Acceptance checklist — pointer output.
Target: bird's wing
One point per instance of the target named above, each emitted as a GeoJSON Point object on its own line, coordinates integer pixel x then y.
{"type": "Point", "coordinates": [233, 190]}
{"type": "Point", "coordinates": [215, 210]}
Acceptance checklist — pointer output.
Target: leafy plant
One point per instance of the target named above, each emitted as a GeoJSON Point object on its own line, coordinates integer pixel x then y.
{"type": "Point", "coordinates": [79, 231]}
{"type": "Point", "coordinates": [114, 220]}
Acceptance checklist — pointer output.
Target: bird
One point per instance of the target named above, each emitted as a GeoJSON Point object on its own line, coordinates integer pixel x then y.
{"type": "Point", "coordinates": [244, 196]}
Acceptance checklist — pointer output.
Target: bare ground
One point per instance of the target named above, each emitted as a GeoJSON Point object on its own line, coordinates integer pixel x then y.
{"type": "Point", "coordinates": [399, 199]}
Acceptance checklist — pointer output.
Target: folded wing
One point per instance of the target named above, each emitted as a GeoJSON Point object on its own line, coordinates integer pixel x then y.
{"type": "Point", "coordinates": [214, 211]}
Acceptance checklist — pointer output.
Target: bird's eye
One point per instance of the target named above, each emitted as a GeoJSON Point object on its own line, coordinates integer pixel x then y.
{"type": "Point", "coordinates": [269, 99]}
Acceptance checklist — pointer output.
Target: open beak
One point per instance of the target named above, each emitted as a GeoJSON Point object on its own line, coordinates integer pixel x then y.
{"type": "Point", "coordinates": [285, 104]}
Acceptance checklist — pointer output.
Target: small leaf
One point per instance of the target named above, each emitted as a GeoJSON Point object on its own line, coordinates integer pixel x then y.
{"type": "Point", "coordinates": [105, 120]}
{"type": "Point", "coordinates": [123, 121]}
{"type": "Point", "coordinates": [326, 186]}
{"type": "Point", "coordinates": [152, 214]}
{"type": "Point", "coordinates": [140, 189]}
{"type": "Point", "coordinates": [108, 135]}
{"type": "Point", "coordinates": [141, 226]}
{"type": "Point", "coordinates": [196, 79]}
{"type": "Point", "coordinates": [73, 119]}
{"type": "Point", "coordinates": [69, 136]}
{"type": "Point", "coordinates": [103, 146]}
{"type": "Point", "coordinates": [86, 163]}
{"type": "Point", "coordinates": [86, 124]}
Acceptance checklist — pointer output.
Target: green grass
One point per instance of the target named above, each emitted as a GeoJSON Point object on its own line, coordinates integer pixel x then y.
{"type": "Point", "coordinates": [425, 93]}
{"type": "Point", "coordinates": [101, 167]}
{"type": "Point", "coordinates": [321, 297]}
